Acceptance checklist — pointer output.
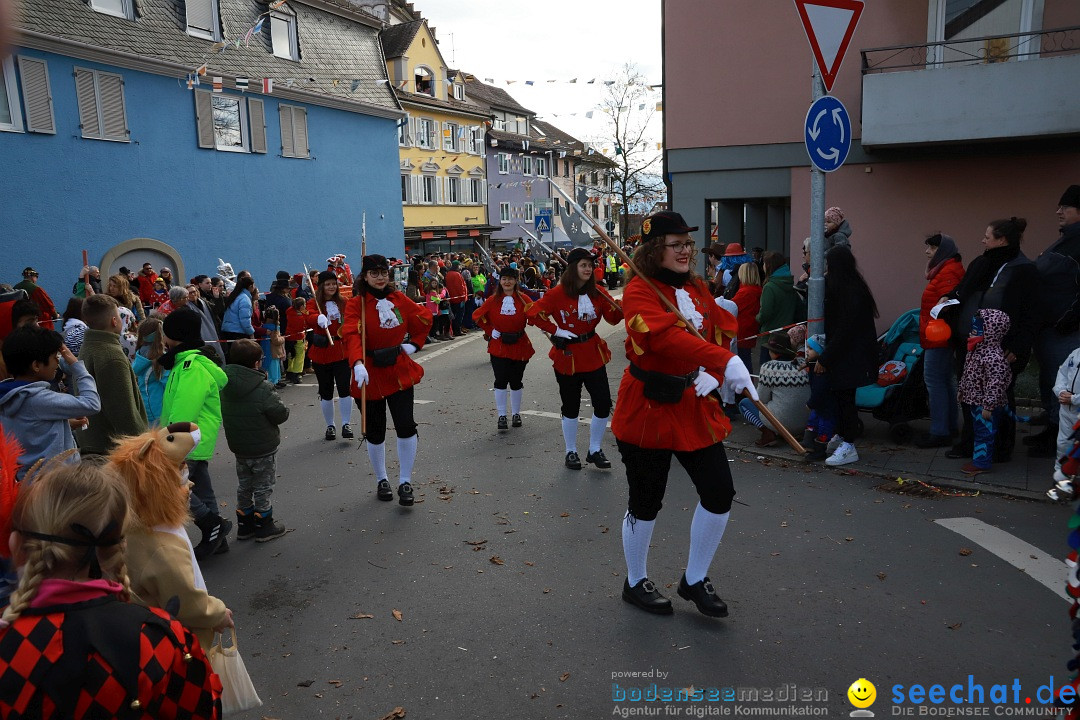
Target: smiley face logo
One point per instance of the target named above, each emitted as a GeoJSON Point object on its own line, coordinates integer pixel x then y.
{"type": "Point", "coordinates": [862, 693]}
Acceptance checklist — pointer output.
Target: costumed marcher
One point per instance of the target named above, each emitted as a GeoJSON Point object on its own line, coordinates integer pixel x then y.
{"type": "Point", "coordinates": [94, 654]}
{"type": "Point", "coordinates": [395, 328]}
{"type": "Point", "coordinates": [667, 406]}
{"type": "Point", "coordinates": [569, 313]}
{"type": "Point", "coordinates": [328, 361]}
{"type": "Point", "coordinates": [337, 265]}
{"type": "Point", "coordinates": [502, 318]}
{"type": "Point", "coordinates": [1067, 392]}
{"type": "Point", "coordinates": [37, 294]}
{"type": "Point", "coordinates": [161, 563]}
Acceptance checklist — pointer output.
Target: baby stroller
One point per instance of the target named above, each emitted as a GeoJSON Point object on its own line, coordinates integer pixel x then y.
{"type": "Point", "coordinates": [900, 395]}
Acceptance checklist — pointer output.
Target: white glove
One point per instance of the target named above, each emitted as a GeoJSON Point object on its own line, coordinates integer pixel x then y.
{"type": "Point", "coordinates": [323, 321]}
{"type": "Point", "coordinates": [564, 334]}
{"type": "Point", "coordinates": [495, 334]}
{"type": "Point", "coordinates": [359, 372]}
{"type": "Point", "coordinates": [736, 379]}
{"type": "Point", "coordinates": [704, 383]}
{"type": "Point", "coordinates": [408, 348]}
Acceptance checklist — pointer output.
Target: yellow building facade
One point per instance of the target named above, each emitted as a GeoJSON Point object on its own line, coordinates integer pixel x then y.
{"type": "Point", "coordinates": [441, 143]}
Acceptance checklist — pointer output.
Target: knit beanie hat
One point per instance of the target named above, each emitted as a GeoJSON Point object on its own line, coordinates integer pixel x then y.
{"type": "Point", "coordinates": [183, 326]}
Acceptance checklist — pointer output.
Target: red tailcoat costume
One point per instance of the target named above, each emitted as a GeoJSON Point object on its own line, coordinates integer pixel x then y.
{"type": "Point", "coordinates": [556, 309]}
{"type": "Point", "coordinates": [330, 353]}
{"type": "Point", "coordinates": [489, 317]}
{"type": "Point", "coordinates": [413, 319]}
{"type": "Point", "coordinates": [656, 341]}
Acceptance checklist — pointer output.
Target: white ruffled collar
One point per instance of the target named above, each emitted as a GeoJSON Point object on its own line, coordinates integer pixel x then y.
{"type": "Point", "coordinates": [387, 317]}
{"type": "Point", "coordinates": [686, 307]}
{"type": "Point", "coordinates": [585, 309]}
{"type": "Point", "coordinates": [508, 306]}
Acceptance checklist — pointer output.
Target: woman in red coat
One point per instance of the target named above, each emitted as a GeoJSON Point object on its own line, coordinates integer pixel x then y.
{"type": "Point", "coordinates": [328, 361]}
{"type": "Point", "coordinates": [388, 370]}
{"type": "Point", "coordinates": [502, 318]}
{"type": "Point", "coordinates": [570, 312]}
{"type": "Point", "coordinates": [748, 300]}
{"type": "Point", "coordinates": [667, 407]}
{"type": "Point", "coordinates": [944, 271]}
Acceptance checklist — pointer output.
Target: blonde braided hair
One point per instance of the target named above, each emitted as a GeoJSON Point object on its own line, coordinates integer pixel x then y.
{"type": "Point", "coordinates": [87, 494]}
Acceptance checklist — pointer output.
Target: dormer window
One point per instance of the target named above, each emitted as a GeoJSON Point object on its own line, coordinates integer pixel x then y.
{"type": "Point", "coordinates": [202, 19]}
{"type": "Point", "coordinates": [119, 8]}
{"type": "Point", "coordinates": [283, 36]}
{"type": "Point", "coordinates": [424, 81]}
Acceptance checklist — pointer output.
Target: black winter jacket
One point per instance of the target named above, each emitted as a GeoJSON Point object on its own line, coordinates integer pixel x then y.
{"type": "Point", "coordinates": [251, 411]}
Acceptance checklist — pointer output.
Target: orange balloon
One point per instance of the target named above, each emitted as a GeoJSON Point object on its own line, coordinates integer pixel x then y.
{"type": "Point", "coordinates": [937, 330]}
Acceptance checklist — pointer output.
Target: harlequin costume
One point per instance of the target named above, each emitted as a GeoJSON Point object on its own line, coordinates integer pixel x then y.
{"type": "Point", "coordinates": [580, 358]}
{"type": "Point", "coordinates": [667, 407]}
{"type": "Point", "coordinates": [388, 370]}
{"type": "Point", "coordinates": [71, 655]}
{"type": "Point", "coordinates": [502, 318]}
{"type": "Point", "coordinates": [328, 361]}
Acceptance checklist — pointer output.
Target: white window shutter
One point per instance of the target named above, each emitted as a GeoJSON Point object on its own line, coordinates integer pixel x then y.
{"type": "Point", "coordinates": [257, 119]}
{"type": "Point", "coordinates": [200, 15]}
{"type": "Point", "coordinates": [87, 97]}
{"type": "Point", "coordinates": [300, 132]}
{"type": "Point", "coordinates": [288, 146]}
{"type": "Point", "coordinates": [483, 192]}
{"type": "Point", "coordinates": [410, 132]}
{"type": "Point", "coordinates": [418, 191]}
{"type": "Point", "coordinates": [204, 119]}
{"type": "Point", "coordinates": [113, 114]}
{"type": "Point", "coordinates": [37, 95]}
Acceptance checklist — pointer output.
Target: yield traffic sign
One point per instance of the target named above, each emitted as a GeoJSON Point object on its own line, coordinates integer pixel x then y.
{"type": "Point", "coordinates": [829, 25]}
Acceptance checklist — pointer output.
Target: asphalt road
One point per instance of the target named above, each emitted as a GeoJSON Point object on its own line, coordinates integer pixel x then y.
{"type": "Point", "coordinates": [508, 570]}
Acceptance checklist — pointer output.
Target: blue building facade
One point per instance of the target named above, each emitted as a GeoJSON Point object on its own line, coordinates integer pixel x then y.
{"type": "Point", "coordinates": [137, 166]}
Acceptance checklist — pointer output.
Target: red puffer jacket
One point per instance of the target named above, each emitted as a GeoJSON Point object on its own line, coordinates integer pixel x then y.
{"type": "Point", "coordinates": [944, 280]}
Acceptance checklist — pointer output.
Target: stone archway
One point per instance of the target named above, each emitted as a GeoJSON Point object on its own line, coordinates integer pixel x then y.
{"type": "Point", "coordinates": [136, 251]}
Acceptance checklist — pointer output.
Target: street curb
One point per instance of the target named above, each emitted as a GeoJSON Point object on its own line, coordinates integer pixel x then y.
{"type": "Point", "coordinates": [951, 483]}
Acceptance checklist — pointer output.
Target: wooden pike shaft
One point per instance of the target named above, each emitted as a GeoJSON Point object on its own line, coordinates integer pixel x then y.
{"type": "Point", "coordinates": [363, 325]}
{"type": "Point", "coordinates": [783, 431]}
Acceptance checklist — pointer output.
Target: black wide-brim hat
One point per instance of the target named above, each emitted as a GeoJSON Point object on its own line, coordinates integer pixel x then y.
{"type": "Point", "coordinates": [578, 254]}
{"type": "Point", "coordinates": [664, 223]}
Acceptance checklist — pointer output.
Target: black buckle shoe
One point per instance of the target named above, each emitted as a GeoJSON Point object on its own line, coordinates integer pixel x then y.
{"type": "Point", "coordinates": [598, 459]}
{"type": "Point", "coordinates": [573, 461]}
{"type": "Point", "coordinates": [383, 491]}
{"type": "Point", "coordinates": [331, 433]}
{"type": "Point", "coordinates": [405, 494]}
{"type": "Point", "coordinates": [346, 432]}
{"type": "Point", "coordinates": [703, 595]}
{"type": "Point", "coordinates": [515, 421]}
{"type": "Point", "coordinates": [647, 597]}
{"type": "Point", "coordinates": [503, 425]}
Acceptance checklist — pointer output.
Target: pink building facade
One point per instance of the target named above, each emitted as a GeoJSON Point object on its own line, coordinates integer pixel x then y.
{"type": "Point", "coordinates": [962, 111]}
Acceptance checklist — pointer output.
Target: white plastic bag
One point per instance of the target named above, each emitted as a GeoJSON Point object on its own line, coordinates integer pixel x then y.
{"type": "Point", "coordinates": [237, 693]}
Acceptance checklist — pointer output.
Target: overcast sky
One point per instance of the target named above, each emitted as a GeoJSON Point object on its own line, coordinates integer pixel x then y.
{"type": "Point", "coordinates": [558, 40]}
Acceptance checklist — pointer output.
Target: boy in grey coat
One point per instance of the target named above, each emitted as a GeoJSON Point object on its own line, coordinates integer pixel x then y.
{"type": "Point", "coordinates": [30, 410]}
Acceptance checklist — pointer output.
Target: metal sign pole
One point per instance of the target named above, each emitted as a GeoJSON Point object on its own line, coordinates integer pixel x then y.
{"type": "Point", "coordinates": [816, 284]}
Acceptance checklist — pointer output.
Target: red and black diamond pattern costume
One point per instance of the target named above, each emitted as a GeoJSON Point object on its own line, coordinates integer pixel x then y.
{"type": "Point", "coordinates": [76, 661]}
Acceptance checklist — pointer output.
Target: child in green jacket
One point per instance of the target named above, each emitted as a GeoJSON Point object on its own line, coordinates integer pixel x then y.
{"type": "Point", "coordinates": [192, 395]}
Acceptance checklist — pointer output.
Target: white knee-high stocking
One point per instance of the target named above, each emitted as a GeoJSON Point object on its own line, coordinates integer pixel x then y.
{"type": "Point", "coordinates": [597, 426]}
{"type": "Point", "coordinates": [500, 401]}
{"type": "Point", "coordinates": [406, 450]}
{"type": "Point", "coordinates": [569, 433]}
{"type": "Point", "coordinates": [377, 455]}
{"type": "Point", "coordinates": [706, 530]}
{"type": "Point", "coordinates": [636, 536]}
{"type": "Point", "coordinates": [327, 410]}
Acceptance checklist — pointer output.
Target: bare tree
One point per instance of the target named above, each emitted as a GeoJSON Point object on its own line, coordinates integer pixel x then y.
{"type": "Point", "coordinates": [637, 178]}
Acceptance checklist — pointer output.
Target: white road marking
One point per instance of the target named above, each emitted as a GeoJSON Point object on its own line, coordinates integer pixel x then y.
{"type": "Point", "coordinates": [422, 402]}
{"type": "Point", "coordinates": [1041, 566]}
{"type": "Point", "coordinates": [553, 416]}
{"type": "Point", "coordinates": [425, 356]}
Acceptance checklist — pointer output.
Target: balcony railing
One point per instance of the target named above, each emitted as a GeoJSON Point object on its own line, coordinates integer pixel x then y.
{"type": "Point", "coordinates": [972, 51]}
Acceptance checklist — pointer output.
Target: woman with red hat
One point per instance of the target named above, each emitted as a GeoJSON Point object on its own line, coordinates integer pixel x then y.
{"type": "Point", "coordinates": [395, 328]}
{"type": "Point", "coordinates": [667, 406]}
{"type": "Point", "coordinates": [502, 318]}
{"type": "Point", "coordinates": [570, 313]}
{"type": "Point", "coordinates": [324, 320]}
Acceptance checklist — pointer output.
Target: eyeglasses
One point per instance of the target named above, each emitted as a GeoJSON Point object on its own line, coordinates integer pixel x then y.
{"type": "Point", "coordinates": [379, 273]}
{"type": "Point", "coordinates": [680, 247]}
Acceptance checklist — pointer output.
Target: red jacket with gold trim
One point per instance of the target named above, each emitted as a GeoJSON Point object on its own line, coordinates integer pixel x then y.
{"type": "Point", "coordinates": [657, 341]}
{"type": "Point", "coordinates": [412, 320]}
{"type": "Point", "coordinates": [556, 309]}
